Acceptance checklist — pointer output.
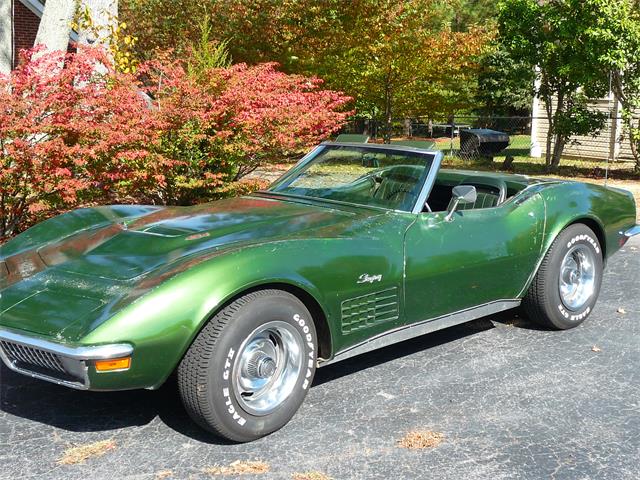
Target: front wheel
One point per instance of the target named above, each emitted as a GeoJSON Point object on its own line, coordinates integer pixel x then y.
{"type": "Point", "coordinates": [566, 286]}
{"type": "Point", "coordinates": [249, 369]}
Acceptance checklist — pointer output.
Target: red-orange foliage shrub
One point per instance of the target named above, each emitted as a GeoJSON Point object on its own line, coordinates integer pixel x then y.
{"type": "Point", "coordinates": [223, 126]}
{"type": "Point", "coordinates": [66, 135]}
{"type": "Point", "coordinates": [81, 134]}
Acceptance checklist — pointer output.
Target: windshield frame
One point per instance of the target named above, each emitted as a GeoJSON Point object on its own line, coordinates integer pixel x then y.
{"type": "Point", "coordinates": [434, 156]}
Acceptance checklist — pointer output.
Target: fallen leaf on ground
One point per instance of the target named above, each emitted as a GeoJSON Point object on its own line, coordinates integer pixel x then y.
{"type": "Point", "coordinates": [80, 454]}
{"type": "Point", "coordinates": [239, 468]}
{"type": "Point", "coordinates": [595, 348]}
{"type": "Point", "coordinates": [418, 439]}
{"type": "Point", "coordinates": [516, 321]}
{"type": "Point", "coordinates": [310, 476]}
{"type": "Point", "coordinates": [621, 311]}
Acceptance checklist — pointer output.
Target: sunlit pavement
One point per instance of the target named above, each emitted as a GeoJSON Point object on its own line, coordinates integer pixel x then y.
{"type": "Point", "coordinates": [512, 401]}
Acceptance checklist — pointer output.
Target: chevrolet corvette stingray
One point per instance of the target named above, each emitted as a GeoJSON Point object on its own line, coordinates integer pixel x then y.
{"type": "Point", "coordinates": [357, 247]}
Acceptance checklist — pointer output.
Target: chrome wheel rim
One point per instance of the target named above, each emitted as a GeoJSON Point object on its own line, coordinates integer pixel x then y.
{"type": "Point", "coordinates": [269, 365]}
{"type": "Point", "coordinates": [577, 277]}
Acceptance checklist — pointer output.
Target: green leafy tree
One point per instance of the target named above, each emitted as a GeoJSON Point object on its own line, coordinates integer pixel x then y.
{"type": "Point", "coordinates": [449, 82]}
{"type": "Point", "coordinates": [206, 53]}
{"type": "Point", "coordinates": [379, 59]}
{"type": "Point", "coordinates": [469, 13]}
{"type": "Point", "coordinates": [256, 30]}
{"type": "Point", "coordinates": [562, 38]}
{"type": "Point", "coordinates": [396, 58]}
{"type": "Point", "coordinates": [622, 59]}
{"type": "Point", "coordinates": [162, 25]}
{"type": "Point", "coordinates": [505, 86]}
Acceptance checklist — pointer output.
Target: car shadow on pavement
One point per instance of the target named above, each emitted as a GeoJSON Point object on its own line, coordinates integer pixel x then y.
{"type": "Point", "coordinates": [402, 349]}
{"type": "Point", "coordinates": [511, 318]}
{"type": "Point", "coordinates": [80, 411]}
{"type": "Point", "coordinates": [518, 319]}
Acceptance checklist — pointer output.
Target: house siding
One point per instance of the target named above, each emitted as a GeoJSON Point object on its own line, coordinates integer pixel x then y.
{"type": "Point", "coordinates": [610, 143]}
{"type": "Point", "coordinates": [625, 146]}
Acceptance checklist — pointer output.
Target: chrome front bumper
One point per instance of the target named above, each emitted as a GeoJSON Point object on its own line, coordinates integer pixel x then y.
{"type": "Point", "coordinates": [632, 232]}
{"type": "Point", "coordinates": [54, 362]}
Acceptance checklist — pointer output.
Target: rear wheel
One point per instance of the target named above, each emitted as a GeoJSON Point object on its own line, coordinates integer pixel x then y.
{"type": "Point", "coordinates": [250, 368]}
{"type": "Point", "coordinates": [566, 287]}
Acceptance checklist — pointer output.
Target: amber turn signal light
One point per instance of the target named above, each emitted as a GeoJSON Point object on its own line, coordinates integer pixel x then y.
{"type": "Point", "coordinates": [113, 364]}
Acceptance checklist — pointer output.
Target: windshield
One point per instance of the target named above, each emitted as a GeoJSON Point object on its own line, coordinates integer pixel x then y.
{"type": "Point", "coordinates": [365, 176]}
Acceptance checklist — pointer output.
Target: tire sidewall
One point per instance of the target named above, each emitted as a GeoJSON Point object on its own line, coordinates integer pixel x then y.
{"type": "Point", "coordinates": [240, 424]}
{"type": "Point", "coordinates": [559, 315]}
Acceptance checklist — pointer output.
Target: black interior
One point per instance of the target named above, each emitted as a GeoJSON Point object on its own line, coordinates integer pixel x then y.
{"type": "Point", "coordinates": [399, 185]}
{"type": "Point", "coordinates": [491, 193]}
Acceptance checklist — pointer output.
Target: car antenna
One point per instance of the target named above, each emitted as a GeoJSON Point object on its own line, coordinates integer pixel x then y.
{"type": "Point", "coordinates": [611, 148]}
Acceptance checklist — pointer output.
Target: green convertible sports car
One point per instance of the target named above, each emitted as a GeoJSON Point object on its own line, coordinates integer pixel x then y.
{"type": "Point", "coordinates": [356, 247]}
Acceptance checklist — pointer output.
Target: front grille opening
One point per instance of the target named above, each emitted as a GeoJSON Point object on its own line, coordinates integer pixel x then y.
{"type": "Point", "coordinates": [36, 361]}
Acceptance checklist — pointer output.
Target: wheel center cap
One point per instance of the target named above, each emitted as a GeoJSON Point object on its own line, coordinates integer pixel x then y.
{"type": "Point", "coordinates": [261, 366]}
{"type": "Point", "coordinates": [266, 367]}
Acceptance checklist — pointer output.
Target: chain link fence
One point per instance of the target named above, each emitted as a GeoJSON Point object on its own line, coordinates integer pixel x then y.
{"type": "Point", "coordinates": [466, 143]}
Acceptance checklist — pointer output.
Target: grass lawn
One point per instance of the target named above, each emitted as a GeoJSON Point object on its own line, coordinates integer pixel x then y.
{"type": "Point", "coordinates": [524, 164]}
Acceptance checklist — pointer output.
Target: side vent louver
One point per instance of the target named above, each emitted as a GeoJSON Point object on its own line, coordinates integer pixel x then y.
{"type": "Point", "coordinates": [367, 310]}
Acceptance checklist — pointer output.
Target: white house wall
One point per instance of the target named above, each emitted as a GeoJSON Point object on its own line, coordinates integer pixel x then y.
{"type": "Point", "coordinates": [608, 144]}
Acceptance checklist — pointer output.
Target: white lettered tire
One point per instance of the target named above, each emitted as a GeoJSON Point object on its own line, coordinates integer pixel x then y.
{"type": "Point", "coordinates": [566, 286]}
{"type": "Point", "coordinates": [250, 368]}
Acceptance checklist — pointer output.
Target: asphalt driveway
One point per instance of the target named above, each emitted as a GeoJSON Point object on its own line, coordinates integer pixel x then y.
{"type": "Point", "coordinates": [510, 400]}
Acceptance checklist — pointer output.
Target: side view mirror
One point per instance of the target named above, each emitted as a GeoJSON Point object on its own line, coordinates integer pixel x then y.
{"type": "Point", "coordinates": [462, 194]}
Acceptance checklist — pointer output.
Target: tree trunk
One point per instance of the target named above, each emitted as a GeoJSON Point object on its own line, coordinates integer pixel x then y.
{"type": "Point", "coordinates": [634, 139]}
{"type": "Point", "coordinates": [388, 107]}
{"type": "Point", "coordinates": [548, 152]}
{"type": "Point", "coordinates": [558, 148]}
{"type": "Point", "coordinates": [548, 106]}
{"type": "Point", "coordinates": [407, 127]}
{"type": "Point", "coordinates": [55, 25]}
{"type": "Point", "coordinates": [388, 124]}
{"type": "Point", "coordinates": [617, 85]}
{"type": "Point", "coordinates": [103, 15]}
{"type": "Point", "coordinates": [553, 156]}
{"type": "Point", "coordinates": [6, 36]}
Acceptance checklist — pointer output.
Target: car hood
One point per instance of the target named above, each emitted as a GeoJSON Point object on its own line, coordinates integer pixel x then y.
{"type": "Point", "coordinates": [130, 249]}
{"type": "Point", "coordinates": [51, 287]}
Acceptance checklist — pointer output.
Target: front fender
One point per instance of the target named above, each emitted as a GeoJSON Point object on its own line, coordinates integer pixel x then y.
{"type": "Point", "coordinates": [162, 324]}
